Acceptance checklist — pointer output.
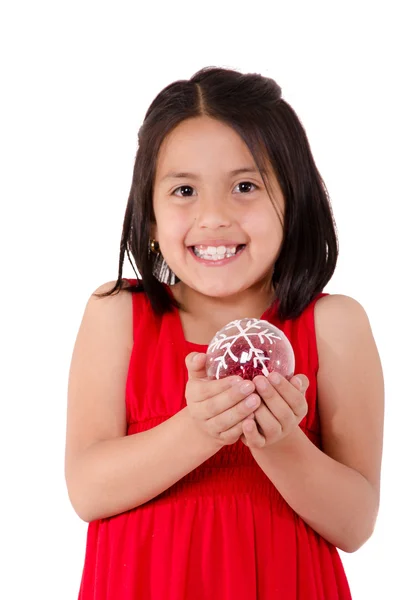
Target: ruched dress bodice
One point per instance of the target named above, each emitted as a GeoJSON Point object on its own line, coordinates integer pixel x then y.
{"type": "Point", "coordinates": [223, 532]}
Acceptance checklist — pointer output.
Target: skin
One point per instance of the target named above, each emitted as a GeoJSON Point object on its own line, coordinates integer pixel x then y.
{"type": "Point", "coordinates": [335, 490]}
{"type": "Point", "coordinates": [215, 206]}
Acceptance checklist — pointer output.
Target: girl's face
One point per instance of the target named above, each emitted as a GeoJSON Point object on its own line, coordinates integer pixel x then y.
{"type": "Point", "coordinates": [215, 223]}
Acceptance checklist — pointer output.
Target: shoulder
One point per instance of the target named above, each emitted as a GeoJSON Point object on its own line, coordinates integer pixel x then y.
{"type": "Point", "coordinates": [110, 285]}
{"type": "Point", "coordinates": [114, 309]}
{"type": "Point", "coordinates": [338, 302]}
{"type": "Point", "coordinates": [337, 315]}
{"type": "Point", "coordinates": [342, 330]}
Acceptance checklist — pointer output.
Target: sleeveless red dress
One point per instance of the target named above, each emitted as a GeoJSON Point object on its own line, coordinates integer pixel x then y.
{"type": "Point", "coordinates": [223, 532]}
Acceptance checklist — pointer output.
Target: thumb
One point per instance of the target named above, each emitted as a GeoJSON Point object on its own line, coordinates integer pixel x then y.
{"type": "Point", "coordinates": [195, 363]}
{"type": "Point", "coordinates": [301, 382]}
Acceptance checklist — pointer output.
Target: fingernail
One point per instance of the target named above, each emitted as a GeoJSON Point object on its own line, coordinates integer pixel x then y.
{"type": "Point", "coordinates": [262, 384]}
{"type": "Point", "coordinates": [274, 378]}
{"type": "Point", "coordinates": [299, 381]}
{"type": "Point", "coordinates": [251, 401]}
{"type": "Point", "coordinates": [247, 386]}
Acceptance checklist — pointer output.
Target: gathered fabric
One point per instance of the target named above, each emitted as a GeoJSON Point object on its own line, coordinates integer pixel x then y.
{"type": "Point", "coordinates": [223, 531]}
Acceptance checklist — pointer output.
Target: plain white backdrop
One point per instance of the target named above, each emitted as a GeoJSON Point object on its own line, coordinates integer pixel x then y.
{"type": "Point", "coordinates": [76, 79]}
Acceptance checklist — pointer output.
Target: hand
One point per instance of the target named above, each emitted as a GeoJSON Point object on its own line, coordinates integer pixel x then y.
{"type": "Point", "coordinates": [284, 406]}
{"type": "Point", "coordinates": [218, 406]}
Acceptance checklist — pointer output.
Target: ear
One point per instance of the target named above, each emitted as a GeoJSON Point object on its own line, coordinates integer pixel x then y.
{"type": "Point", "coordinates": [153, 231]}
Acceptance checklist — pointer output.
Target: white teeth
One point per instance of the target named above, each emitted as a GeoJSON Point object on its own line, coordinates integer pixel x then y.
{"type": "Point", "coordinates": [214, 252]}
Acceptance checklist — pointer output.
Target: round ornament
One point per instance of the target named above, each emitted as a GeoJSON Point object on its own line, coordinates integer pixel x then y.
{"type": "Point", "coordinates": [249, 347]}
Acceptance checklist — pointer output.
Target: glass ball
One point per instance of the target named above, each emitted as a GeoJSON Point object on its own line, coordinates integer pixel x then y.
{"type": "Point", "coordinates": [249, 347]}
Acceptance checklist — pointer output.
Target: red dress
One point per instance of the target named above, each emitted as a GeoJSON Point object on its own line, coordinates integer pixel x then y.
{"type": "Point", "coordinates": [223, 532]}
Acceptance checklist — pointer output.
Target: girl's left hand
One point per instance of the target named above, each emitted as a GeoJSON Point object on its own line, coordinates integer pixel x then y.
{"type": "Point", "coordinates": [282, 409]}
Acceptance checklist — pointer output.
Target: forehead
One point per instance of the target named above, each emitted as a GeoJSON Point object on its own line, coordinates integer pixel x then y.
{"type": "Point", "coordinates": [200, 142]}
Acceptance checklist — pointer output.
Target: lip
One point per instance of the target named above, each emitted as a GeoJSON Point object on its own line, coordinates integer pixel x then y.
{"type": "Point", "coordinates": [216, 263]}
{"type": "Point", "coordinates": [217, 243]}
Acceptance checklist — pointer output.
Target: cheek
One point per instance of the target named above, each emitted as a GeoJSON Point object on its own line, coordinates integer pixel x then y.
{"type": "Point", "coordinates": [172, 227]}
{"type": "Point", "coordinates": [263, 227]}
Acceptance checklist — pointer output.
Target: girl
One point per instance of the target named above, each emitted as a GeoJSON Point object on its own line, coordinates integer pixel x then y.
{"type": "Point", "coordinates": [224, 489]}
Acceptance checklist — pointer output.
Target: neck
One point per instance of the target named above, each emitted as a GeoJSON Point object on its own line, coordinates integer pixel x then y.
{"type": "Point", "coordinates": [216, 312]}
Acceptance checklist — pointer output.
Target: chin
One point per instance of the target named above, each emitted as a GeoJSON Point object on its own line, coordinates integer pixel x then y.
{"type": "Point", "coordinates": [219, 289]}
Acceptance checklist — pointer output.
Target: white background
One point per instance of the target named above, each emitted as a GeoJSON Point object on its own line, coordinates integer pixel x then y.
{"type": "Point", "coordinates": [76, 79]}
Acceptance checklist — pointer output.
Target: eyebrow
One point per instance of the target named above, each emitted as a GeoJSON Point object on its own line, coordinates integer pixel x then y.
{"type": "Point", "coordinates": [185, 174]}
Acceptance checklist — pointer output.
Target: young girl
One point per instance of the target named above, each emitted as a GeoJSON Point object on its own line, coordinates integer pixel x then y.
{"type": "Point", "coordinates": [223, 489]}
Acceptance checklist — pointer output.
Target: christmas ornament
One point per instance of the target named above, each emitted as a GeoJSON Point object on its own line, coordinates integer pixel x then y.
{"type": "Point", "coordinates": [249, 347]}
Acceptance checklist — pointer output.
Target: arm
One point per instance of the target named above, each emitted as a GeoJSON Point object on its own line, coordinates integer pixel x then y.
{"type": "Point", "coordinates": [108, 472]}
{"type": "Point", "coordinates": [336, 491]}
{"type": "Point", "coordinates": [112, 476]}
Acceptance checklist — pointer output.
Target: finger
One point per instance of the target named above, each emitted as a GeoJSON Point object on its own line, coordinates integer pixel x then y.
{"type": "Point", "coordinates": [230, 436]}
{"type": "Point", "coordinates": [242, 436]}
{"type": "Point", "coordinates": [195, 364]}
{"type": "Point", "coordinates": [268, 425]}
{"type": "Point", "coordinates": [275, 414]}
{"type": "Point", "coordinates": [201, 389]}
{"type": "Point", "coordinates": [253, 438]}
{"type": "Point", "coordinates": [230, 405]}
{"type": "Point", "coordinates": [236, 414]}
{"type": "Point", "coordinates": [301, 382]}
{"type": "Point", "coordinates": [231, 417]}
{"type": "Point", "coordinates": [294, 399]}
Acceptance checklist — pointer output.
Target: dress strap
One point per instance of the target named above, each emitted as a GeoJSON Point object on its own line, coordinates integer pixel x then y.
{"type": "Point", "coordinates": [310, 324]}
{"type": "Point", "coordinates": [139, 307]}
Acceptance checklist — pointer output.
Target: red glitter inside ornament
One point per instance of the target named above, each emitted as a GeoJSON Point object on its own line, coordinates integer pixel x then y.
{"type": "Point", "coordinates": [244, 370]}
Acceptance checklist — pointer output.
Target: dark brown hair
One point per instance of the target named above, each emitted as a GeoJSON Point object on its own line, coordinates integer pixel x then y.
{"type": "Point", "coordinates": [252, 105]}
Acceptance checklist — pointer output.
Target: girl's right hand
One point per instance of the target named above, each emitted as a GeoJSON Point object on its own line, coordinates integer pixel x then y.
{"type": "Point", "coordinates": [218, 406]}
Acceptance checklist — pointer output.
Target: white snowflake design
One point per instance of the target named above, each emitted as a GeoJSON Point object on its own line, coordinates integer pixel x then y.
{"type": "Point", "coordinates": [244, 327]}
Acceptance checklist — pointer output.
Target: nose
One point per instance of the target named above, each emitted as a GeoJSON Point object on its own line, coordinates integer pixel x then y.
{"type": "Point", "coordinates": [213, 212]}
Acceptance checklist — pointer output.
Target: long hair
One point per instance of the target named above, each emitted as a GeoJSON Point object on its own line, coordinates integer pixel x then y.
{"type": "Point", "coordinates": [252, 105]}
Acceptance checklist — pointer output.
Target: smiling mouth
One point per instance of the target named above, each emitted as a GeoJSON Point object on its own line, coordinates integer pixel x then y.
{"type": "Point", "coordinates": [216, 253]}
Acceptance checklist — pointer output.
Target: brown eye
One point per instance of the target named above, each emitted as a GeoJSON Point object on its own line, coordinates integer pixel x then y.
{"type": "Point", "coordinates": [246, 186]}
{"type": "Point", "coordinates": [185, 189]}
